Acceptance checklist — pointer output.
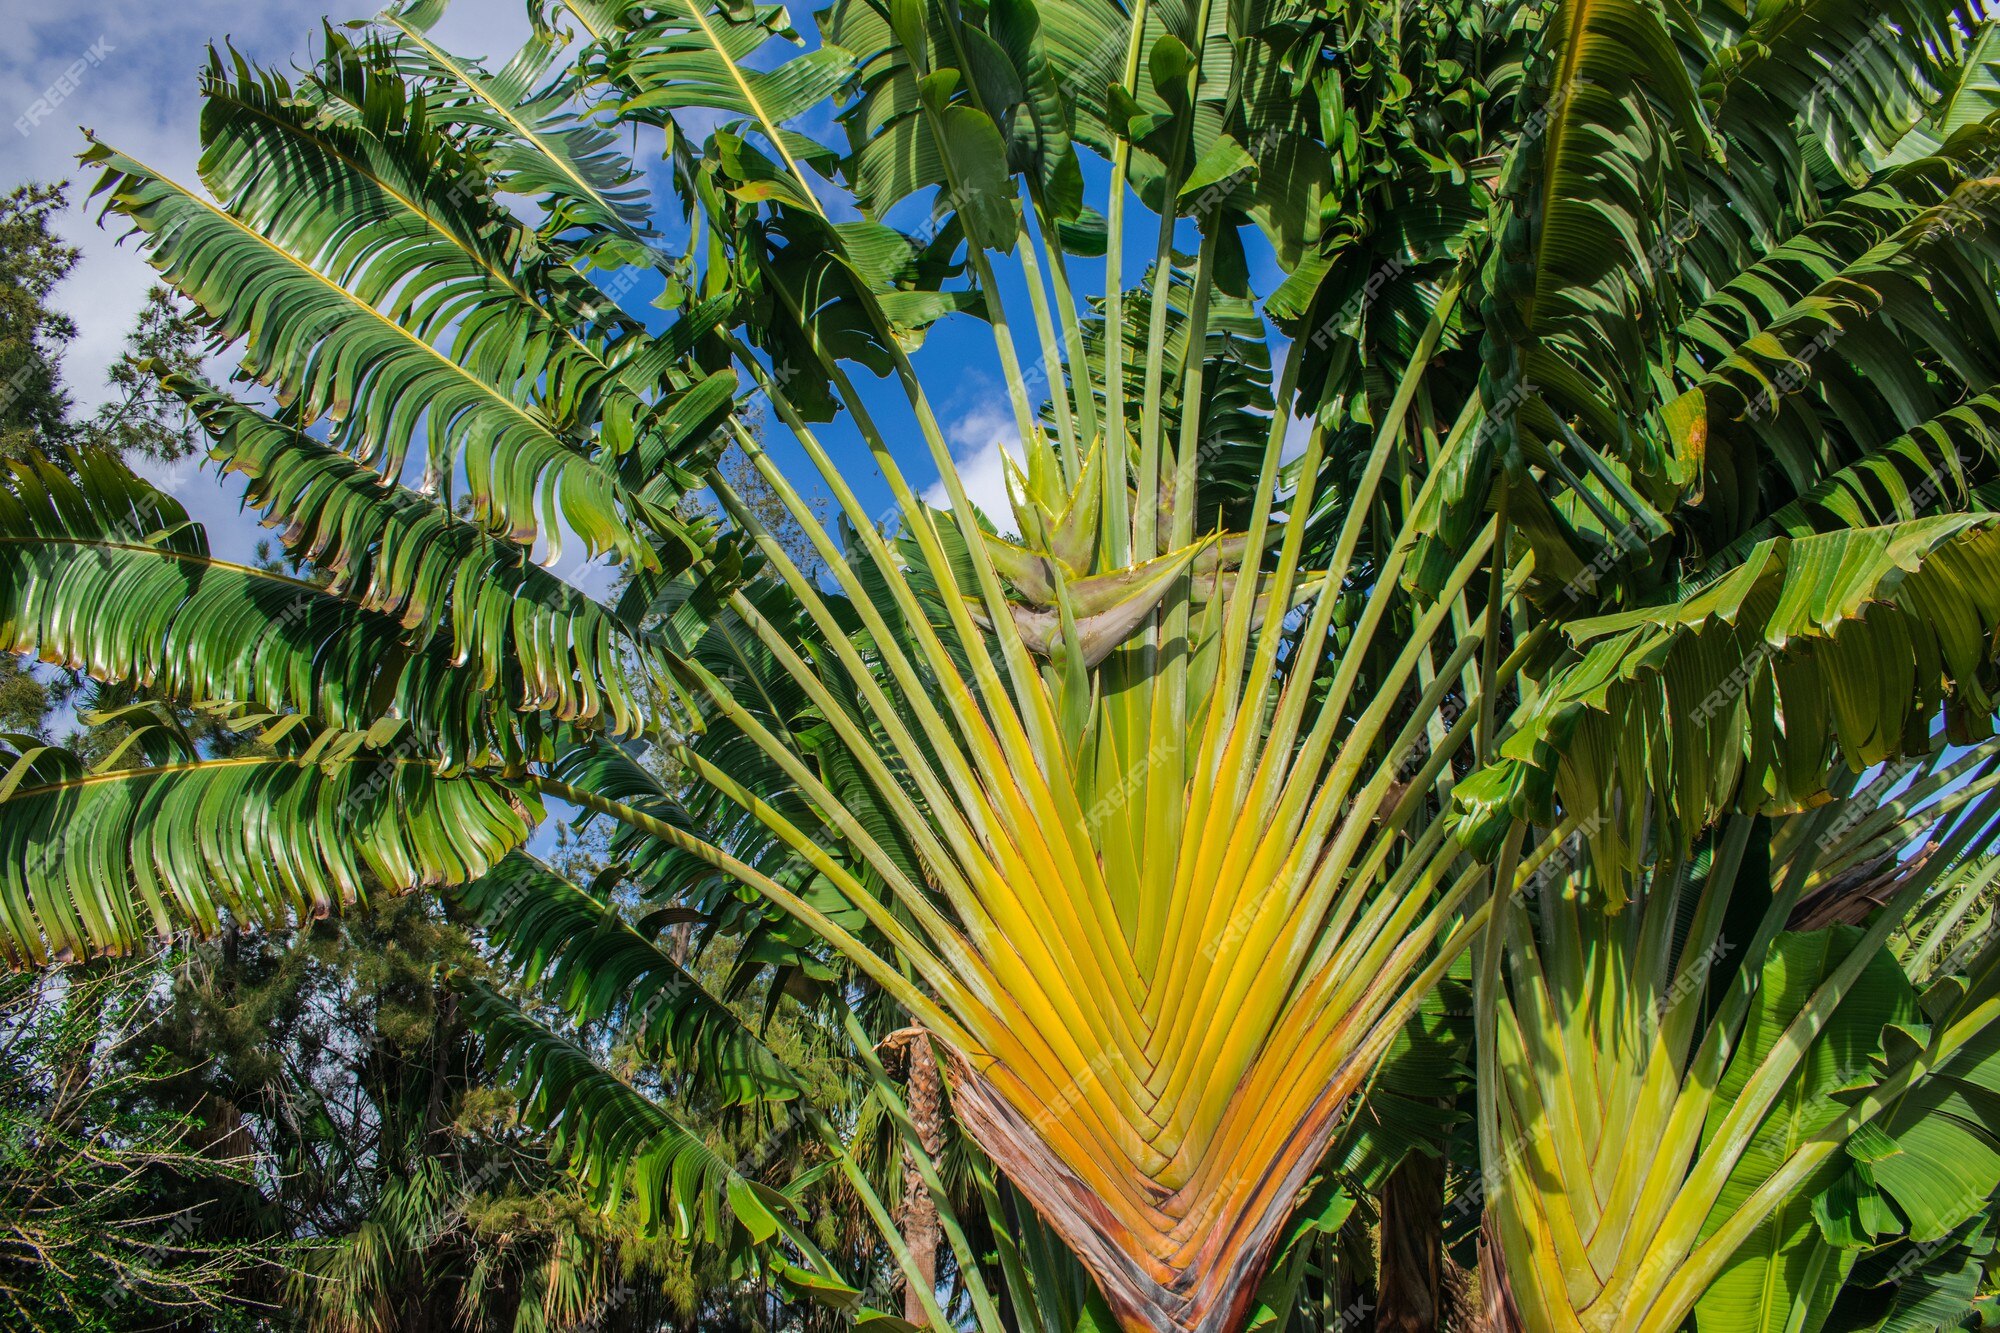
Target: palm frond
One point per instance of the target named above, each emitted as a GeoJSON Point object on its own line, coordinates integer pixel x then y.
{"type": "Point", "coordinates": [591, 963]}
{"type": "Point", "coordinates": [95, 861]}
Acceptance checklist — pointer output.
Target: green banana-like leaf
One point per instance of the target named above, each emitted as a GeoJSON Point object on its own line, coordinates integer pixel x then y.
{"type": "Point", "coordinates": [356, 168]}
{"type": "Point", "coordinates": [1931, 1162]}
{"type": "Point", "coordinates": [91, 863]}
{"type": "Point", "coordinates": [1745, 694]}
{"type": "Point", "coordinates": [686, 55]}
{"type": "Point", "coordinates": [1943, 464]}
{"type": "Point", "coordinates": [1857, 75]}
{"type": "Point", "coordinates": [404, 555]}
{"type": "Point", "coordinates": [105, 574]}
{"type": "Point", "coordinates": [1582, 199]}
{"type": "Point", "coordinates": [524, 125]}
{"type": "Point", "coordinates": [583, 956]}
{"type": "Point", "coordinates": [1849, 333]}
{"type": "Point", "coordinates": [1909, 1288]}
{"type": "Point", "coordinates": [330, 349]}
{"type": "Point", "coordinates": [1970, 95]}
{"type": "Point", "coordinates": [1784, 1271]}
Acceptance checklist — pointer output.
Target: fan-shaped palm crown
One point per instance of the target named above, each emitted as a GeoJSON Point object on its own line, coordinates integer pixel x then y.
{"type": "Point", "coordinates": [1452, 325]}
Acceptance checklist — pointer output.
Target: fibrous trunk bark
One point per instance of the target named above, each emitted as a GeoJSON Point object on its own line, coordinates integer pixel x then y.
{"type": "Point", "coordinates": [924, 1097]}
{"type": "Point", "coordinates": [1496, 1295]}
{"type": "Point", "coordinates": [1411, 1282]}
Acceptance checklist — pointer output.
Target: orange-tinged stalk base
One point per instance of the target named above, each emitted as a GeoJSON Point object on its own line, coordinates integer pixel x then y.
{"type": "Point", "coordinates": [1201, 1274]}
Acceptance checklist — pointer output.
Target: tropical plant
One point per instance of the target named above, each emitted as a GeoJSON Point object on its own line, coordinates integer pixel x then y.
{"type": "Point", "coordinates": [35, 421]}
{"type": "Point", "coordinates": [1725, 1098]}
{"type": "Point", "coordinates": [110, 1189]}
{"type": "Point", "coordinates": [32, 334]}
{"type": "Point", "coordinates": [1643, 357]}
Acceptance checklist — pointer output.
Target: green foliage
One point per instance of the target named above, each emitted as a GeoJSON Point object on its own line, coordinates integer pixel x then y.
{"type": "Point", "coordinates": [34, 408]}
{"type": "Point", "coordinates": [1645, 354]}
{"type": "Point", "coordinates": [115, 1216]}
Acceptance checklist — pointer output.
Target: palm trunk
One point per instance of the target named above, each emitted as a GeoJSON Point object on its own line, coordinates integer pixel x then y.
{"type": "Point", "coordinates": [1412, 1244]}
{"type": "Point", "coordinates": [919, 1214]}
{"type": "Point", "coordinates": [1496, 1295]}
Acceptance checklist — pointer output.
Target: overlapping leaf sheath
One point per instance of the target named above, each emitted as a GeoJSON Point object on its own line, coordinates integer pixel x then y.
{"type": "Point", "coordinates": [1592, 489]}
{"type": "Point", "coordinates": [1177, 933]}
{"type": "Point", "coordinates": [1709, 1102]}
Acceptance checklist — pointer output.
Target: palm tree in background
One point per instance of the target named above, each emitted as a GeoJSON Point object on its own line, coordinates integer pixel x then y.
{"type": "Point", "coordinates": [1642, 357]}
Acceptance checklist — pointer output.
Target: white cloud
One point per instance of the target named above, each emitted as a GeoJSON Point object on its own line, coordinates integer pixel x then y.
{"type": "Point", "coordinates": [140, 94]}
{"type": "Point", "coordinates": [978, 441]}
{"type": "Point", "coordinates": [574, 565]}
{"type": "Point", "coordinates": [137, 88]}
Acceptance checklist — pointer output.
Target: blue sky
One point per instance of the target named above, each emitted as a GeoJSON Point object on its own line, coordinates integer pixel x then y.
{"type": "Point", "coordinates": [136, 88]}
{"type": "Point", "coordinates": [128, 71]}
